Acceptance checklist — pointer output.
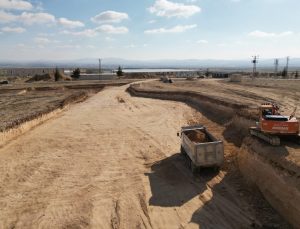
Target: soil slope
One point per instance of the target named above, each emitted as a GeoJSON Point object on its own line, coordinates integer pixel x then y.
{"type": "Point", "coordinates": [113, 162]}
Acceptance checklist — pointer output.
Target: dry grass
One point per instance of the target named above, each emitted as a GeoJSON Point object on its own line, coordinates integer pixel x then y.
{"type": "Point", "coordinates": [20, 106]}
{"type": "Point", "coordinates": [12, 133]}
{"type": "Point", "coordinates": [22, 102]}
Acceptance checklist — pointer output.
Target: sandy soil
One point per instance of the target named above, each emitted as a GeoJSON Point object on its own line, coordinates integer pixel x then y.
{"type": "Point", "coordinates": [21, 102]}
{"type": "Point", "coordinates": [277, 174]}
{"type": "Point", "coordinates": [113, 162]}
{"type": "Point", "coordinates": [250, 93]}
{"type": "Point", "coordinates": [286, 93]}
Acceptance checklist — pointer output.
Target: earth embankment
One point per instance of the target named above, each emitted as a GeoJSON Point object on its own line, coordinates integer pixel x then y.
{"type": "Point", "coordinates": [277, 172]}
{"type": "Point", "coordinates": [113, 161]}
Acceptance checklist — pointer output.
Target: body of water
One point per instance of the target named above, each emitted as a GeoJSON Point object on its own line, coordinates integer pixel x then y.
{"type": "Point", "coordinates": [144, 70]}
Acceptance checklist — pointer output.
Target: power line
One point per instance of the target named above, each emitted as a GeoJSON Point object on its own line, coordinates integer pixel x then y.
{"type": "Point", "coordinates": [276, 63]}
{"type": "Point", "coordinates": [99, 68]}
{"type": "Point", "coordinates": [287, 64]}
{"type": "Point", "coordinates": [254, 61]}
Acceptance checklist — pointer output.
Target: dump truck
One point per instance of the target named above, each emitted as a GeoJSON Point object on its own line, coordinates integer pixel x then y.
{"type": "Point", "coordinates": [201, 148]}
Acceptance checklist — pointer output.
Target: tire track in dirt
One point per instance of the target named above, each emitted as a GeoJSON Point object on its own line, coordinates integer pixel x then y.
{"type": "Point", "coordinates": [111, 164]}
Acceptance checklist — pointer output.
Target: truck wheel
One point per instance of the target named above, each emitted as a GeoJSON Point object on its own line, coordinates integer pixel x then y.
{"type": "Point", "coordinates": [217, 169]}
{"type": "Point", "coordinates": [182, 151]}
{"type": "Point", "coordinates": [194, 168]}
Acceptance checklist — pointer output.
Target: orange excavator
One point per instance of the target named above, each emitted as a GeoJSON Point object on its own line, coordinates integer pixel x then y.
{"type": "Point", "coordinates": [272, 124]}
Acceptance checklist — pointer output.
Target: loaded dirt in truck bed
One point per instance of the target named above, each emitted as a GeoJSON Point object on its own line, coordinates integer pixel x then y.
{"type": "Point", "coordinates": [197, 136]}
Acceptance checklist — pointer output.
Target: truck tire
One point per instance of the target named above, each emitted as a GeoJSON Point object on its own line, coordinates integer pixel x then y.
{"type": "Point", "coordinates": [217, 169]}
{"type": "Point", "coordinates": [182, 151]}
{"type": "Point", "coordinates": [194, 168]}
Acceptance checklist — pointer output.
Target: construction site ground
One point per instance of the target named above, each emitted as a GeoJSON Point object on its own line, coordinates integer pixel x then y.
{"type": "Point", "coordinates": [113, 161]}
{"type": "Point", "coordinates": [249, 93]}
{"type": "Point", "coordinates": [21, 102]}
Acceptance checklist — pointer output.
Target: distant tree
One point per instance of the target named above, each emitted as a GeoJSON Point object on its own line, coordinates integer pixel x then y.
{"type": "Point", "coordinates": [284, 73]}
{"type": "Point", "coordinates": [120, 71]}
{"type": "Point", "coordinates": [296, 75]}
{"type": "Point", "coordinates": [76, 73]}
{"type": "Point", "coordinates": [57, 75]}
{"type": "Point", "coordinates": [207, 73]}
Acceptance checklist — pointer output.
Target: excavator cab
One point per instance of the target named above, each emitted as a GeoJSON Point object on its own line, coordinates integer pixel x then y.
{"type": "Point", "coordinates": [269, 109]}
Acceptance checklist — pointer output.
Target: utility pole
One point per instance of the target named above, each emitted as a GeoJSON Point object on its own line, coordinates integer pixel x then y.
{"type": "Point", "coordinates": [99, 68]}
{"type": "Point", "coordinates": [276, 63]}
{"type": "Point", "coordinates": [254, 61]}
{"type": "Point", "coordinates": [287, 65]}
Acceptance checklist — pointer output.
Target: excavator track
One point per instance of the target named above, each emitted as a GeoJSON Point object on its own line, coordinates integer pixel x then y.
{"type": "Point", "coordinates": [296, 139]}
{"type": "Point", "coordinates": [271, 139]}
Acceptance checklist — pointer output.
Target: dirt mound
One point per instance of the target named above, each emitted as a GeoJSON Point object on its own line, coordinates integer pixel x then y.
{"type": "Point", "coordinates": [48, 77]}
{"type": "Point", "coordinates": [279, 184]}
{"type": "Point", "coordinates": [273, 171]}
{"type": "Point", "coordinates": [197, 136]}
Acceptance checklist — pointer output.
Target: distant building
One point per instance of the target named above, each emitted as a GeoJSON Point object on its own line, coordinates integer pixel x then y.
{"type": "Point", "coordinates": [185, 74]}
{"type": "Point", "coordinates": [220, 74]}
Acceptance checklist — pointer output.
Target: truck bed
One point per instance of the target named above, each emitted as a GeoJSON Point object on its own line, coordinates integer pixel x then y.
{"type": "Point", "coordinates": [203, 149]}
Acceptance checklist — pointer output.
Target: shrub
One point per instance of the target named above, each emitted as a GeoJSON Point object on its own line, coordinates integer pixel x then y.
{"type": "Point", "coordinates": [284, 73]}
{"type": "Point", "coordinates": [120, 72]}
{"type": "Point", "coordinates": [57, 75]}
{"type": "Point", "coordinates": [76, 73]}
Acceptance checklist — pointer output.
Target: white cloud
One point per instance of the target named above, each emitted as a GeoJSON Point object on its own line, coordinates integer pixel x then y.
{"type": "Point", "coordinates": [70, 24]}
{"type": "Point", "coordinates": [36, 18]}
{"type": "Point", "coordinates": [7, 17]}
{"type": "Point", "coordinates": [110, 17]}
{"type": "Point", "coordinates": [27, 18]}
{"type": "Point", "coordinates": [13, 30]}
{"type": "Point", "coordinates": [44, 41]}
{"type": "Point", "coordinates": [175, 29]}
{"type": "Point", "coordinates": [68, 46]}
{"type": "Point", "coordinates": [101, 29]}
{"type": "Point", "coordinates": [83, 33]}
{"type": "Point", "coordinates": [112, 29]}
{"type": "Point", "coordinates": [261, 34]}
{"type": "Point", "coordinates": [21, 45]}
{"type": "Point", "coordinates": [130, 46]}
{"type": "Point", "coordinates": [202, 41]}
{"type": "Point", "coordinates": [165, 8]}
{"type": "Point", "coordinates": [222, 44]}
{"type": "Point", "coordinates": [109, 39]}
{"type": "Point", "coordinates": [15, 5]}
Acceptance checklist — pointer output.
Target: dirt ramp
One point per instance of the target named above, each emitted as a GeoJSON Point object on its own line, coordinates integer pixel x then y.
{"type": "Point", "coordinates": [279, 186]}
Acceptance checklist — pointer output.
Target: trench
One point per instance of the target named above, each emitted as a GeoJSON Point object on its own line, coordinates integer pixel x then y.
{"type": "Point", "coordinates": [265, 170]}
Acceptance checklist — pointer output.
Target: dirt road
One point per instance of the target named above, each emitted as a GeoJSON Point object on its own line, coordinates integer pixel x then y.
{"type": "Point", "coordinates": [113, 162]}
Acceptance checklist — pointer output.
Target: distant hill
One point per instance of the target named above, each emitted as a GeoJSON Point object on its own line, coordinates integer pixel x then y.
{"type": "Point", "coordinates": [113, 63]}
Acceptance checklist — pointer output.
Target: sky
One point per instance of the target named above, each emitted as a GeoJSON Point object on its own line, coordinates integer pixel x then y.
{"type": "Point", "coordinates": [148, 29]}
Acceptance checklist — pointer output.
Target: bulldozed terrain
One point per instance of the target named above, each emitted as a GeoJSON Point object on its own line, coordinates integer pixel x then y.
{"type": "Point", "coordinates": [275, 171]}
{"type": "Point", "coordinates": [21, 102]}
{"type": "Point", "coordinates": [236, 100]}
{"type": "Point", "coordinates": [246, 94]}
{"type": "Point", "coordinates": [113, 161]}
